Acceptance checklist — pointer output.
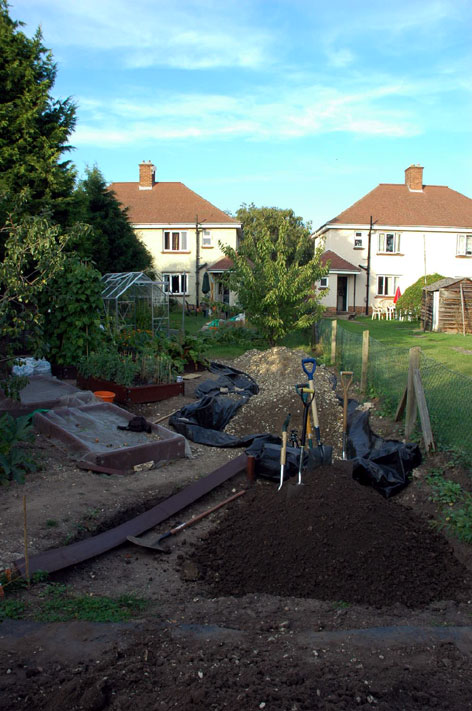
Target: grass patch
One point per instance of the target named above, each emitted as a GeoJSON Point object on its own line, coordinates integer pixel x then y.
{"type": "Point", "coordinates": [455, 506]}
{"type": "Point", "coordinates": [56, 603]}
{"type": "Point", "coordinates": [447, 348]}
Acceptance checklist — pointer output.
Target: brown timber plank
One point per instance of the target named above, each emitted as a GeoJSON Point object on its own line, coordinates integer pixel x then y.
{"type": "Point", "coordinates": [60, 558]}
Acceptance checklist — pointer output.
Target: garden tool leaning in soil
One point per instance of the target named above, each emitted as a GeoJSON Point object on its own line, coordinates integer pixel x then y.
{"type": "Point", "coordinates": [346, 380]}
{"type": "Point", "coordinates": [283, 450]}
{"type": "Point", "coordinates": [306, 397]}
{"type": "Point", "coordinates": [155, 545]}
{"type": "Point", "coordinates": [325, 452]}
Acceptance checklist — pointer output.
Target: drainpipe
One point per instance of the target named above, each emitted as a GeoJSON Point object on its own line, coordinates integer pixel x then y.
{"type": "Point", "coordinates": [368, 270]}
{"type": "Point", "coordinates": [197, 263]}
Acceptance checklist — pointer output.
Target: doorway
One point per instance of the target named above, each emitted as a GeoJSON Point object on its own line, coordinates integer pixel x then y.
{"type": "Point", "coordinates": [341, 303]}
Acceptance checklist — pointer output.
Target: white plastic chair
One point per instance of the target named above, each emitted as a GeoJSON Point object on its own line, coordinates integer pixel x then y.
{"type": "Point", "coordinates": [376, 311]}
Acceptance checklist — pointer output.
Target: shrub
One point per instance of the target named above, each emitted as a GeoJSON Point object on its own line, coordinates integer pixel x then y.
{"type": "Point", "coordinates": [411, 299]}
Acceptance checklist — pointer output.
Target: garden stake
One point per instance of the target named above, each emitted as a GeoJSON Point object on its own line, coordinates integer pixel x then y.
{"type": "Point", "coordinates": [25, 533]}
{"type": "Point", "coordinates": [346, 380]}
{"type": "Point", "coordinates": [283, 450]}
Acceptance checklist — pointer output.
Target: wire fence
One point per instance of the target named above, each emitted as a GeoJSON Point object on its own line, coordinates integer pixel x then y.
{"type": "Point", "coordinates": [447, 392]}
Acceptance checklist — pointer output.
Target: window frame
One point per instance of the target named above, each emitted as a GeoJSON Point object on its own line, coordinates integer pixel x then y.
{"type": "Point", "coordinates": [167, 278]}
{"type": "Point", "coordinates": [358, 237]}
{"type": "Point", "coordinates": [396, 283]}
{"type": "Point", "coordinates": [326, 284]}
{"type": "Point", "coordinates": [206, 234]}
{"type": "Point", "coordinates": [168, 238]}
{"type": "Point", "coordinates": [383, 245]}
{"type": "Point", "coordinates": [465, 239]}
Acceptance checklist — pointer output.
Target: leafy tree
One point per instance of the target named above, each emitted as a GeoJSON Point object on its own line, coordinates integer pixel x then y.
{"type": "Point", "coordinates": [72, 308]}
{"type": "Point", "coordinates": [112, 244]}
{"type": "Point", "coordinates": [411, 299]}
{"type": "Point", "coordinates": [274, 219]}
{"type": "Point", "coordinates": [34, 128]}
{"type": "Point", "coordinates": [273, 280]}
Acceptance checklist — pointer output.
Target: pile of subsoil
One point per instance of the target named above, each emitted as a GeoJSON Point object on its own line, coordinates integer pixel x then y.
{"type": "Point", "coordinates": [330, 539]}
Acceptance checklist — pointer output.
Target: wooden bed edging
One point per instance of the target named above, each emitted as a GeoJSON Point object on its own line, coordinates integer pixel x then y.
{"type": "Point", "coordinates": [59, 558]}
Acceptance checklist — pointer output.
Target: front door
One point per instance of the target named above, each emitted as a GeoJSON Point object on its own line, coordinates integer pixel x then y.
{"type": "Point", "coordinates": [341, 303]}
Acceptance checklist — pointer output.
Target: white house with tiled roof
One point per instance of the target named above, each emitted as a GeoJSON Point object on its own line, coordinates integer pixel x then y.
{"type": "Point", "coordinates": [393, 236]}
{"type": "Point", "coordinates": [182, 231]}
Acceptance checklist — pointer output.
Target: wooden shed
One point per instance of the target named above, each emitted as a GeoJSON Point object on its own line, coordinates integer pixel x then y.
{"type": "Point", "coordinates": [447, 305]}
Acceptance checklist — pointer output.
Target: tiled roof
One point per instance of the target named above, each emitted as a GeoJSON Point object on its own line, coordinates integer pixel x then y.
{"type": "Point", "coordinates": [222, 265]}
{"type": "Point", "coordinates": [168, 203]}
{"type": "Point", "coordinates": [337, 263]}
{"type": "Point", "coordinates": [392, 204]}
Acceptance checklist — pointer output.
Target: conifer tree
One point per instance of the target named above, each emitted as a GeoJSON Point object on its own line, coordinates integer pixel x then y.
{"type": "Point", "coordinates": [112, 244]}
{"type": "Point", "coordinates": [34, 128]}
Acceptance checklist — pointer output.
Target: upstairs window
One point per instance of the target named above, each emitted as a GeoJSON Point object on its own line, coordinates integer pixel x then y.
{"type": "Point", "coordinates": [464, 245]}
{"type": "Point", "coordinates": [206, 239]}
{"type": "Point", "coordinates": [389, 242]}
{"type": "Point", "coordinates": [358, 242]}
{"type": "Point", "coordinates": [175, 241]}
{"type": "Point", "coordinates": [175, 283]}
{"type": "Point", "coordinates": [387, 285]}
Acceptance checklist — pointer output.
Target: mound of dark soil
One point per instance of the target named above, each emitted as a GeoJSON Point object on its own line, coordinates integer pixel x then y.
{"type": "Point", "coordinates": [330, 539]}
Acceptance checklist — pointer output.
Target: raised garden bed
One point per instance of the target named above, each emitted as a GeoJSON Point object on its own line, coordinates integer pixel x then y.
{"type": "Point", "coordinates": [134, 393]}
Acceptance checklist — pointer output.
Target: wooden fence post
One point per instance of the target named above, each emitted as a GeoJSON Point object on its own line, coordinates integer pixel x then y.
{"type": "Point", "coordinates": [411, 402]}
{"type": "Point", "coordinates": [334, 329]}
{"type": "Point", "coordinates": [365, 361]}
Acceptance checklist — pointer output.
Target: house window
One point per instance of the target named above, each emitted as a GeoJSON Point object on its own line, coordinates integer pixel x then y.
{"type": "Point", "coordinates": [358, 241]}
{"type": "Point", "coordinates": [464, 245]}
{"type": "Point", "coordinates": [389, 242]}
{"type": "Point", "coordinates": [387, 285]}
{"type": "Point", "coordinates": [175, 241]}
{"type": "Point", "coordinates": [324, 283]}
{"type": "Point", "coordinates": [206, 239]}
{"type": "Point", "coordinates": [175, 283]}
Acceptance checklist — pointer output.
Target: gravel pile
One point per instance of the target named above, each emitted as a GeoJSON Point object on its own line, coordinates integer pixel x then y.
{"type": "Point", "coordinates": [276, 372]}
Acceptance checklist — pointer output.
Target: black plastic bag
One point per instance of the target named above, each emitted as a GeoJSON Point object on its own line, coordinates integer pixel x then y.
{"type": "Point", "coordinates": [384, 464]}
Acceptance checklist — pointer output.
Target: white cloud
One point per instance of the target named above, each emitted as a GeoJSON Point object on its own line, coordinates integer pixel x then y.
{"type": "Point", "coordinates": [147, 33]}
{"type": "Point", "coordinates": [290, 113]}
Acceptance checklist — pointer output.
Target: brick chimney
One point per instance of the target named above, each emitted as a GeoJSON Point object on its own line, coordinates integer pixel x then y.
{"type": "Point", "coordinates": [146, 175]}
{"type": "Point", "coordinates": [414, 178]}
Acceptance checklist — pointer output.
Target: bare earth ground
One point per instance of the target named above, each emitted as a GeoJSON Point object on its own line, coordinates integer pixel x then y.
{"type": "Point", "coordinates": [324, 596]}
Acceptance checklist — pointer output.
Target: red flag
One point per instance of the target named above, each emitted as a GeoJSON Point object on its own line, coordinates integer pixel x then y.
{"type": "Point", "coordinates": [398, 293]}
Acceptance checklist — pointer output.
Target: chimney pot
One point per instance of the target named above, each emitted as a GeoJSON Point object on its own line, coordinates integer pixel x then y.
{"type": "Point", "coordinates": [414, 178]}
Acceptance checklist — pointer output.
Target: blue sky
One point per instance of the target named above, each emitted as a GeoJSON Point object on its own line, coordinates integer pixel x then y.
{"type": "Point", "coordinates": [299, 104]}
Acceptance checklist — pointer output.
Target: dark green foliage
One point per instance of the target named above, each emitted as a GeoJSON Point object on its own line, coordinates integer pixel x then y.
{"type": "Point", "coordinates": [411, 299]}
{"type": "Point", "coordinates": [34, 128]}
{"type": "Point", "coordinates": [15, 460]}
{"type": "Point", "coordinates": [72, 308]}
{"type": "Point", "coordinates": [297, 233]}
{"type": "Point", "coordinates": [112, 244]}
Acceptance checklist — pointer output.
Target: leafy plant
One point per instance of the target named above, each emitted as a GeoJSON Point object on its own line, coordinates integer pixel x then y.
{"type": "Point", "coordinates": [72, 308]}
{"type": "Point", "coordinates": [15, 460]}
{"type": "Point", "coordinates": [456, 512]}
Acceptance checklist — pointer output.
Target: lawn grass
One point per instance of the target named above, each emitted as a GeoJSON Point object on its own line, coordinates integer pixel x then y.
{"type": "Point", "coordinates": [450, 349]}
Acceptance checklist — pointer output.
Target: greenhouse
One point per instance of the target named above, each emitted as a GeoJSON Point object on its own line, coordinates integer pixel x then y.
{"type": "Point", "coordinates": [134, 300]}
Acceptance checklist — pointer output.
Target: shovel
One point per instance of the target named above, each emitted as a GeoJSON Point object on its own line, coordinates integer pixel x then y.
{"type": "Point", "coordinates": [346, 380]}
{"type": "Point", "coordinates": [155, 545]}
{"type": "Point", "coordinates": [309, 367]}
{"type": "Point", "coordinates": [283, 450]}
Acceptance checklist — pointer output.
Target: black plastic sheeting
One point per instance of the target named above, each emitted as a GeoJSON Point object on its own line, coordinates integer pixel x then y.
{"type": "Point", "coordinates": [220, 399]}
{"type": "Point", "coordinates": [385, 464]}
